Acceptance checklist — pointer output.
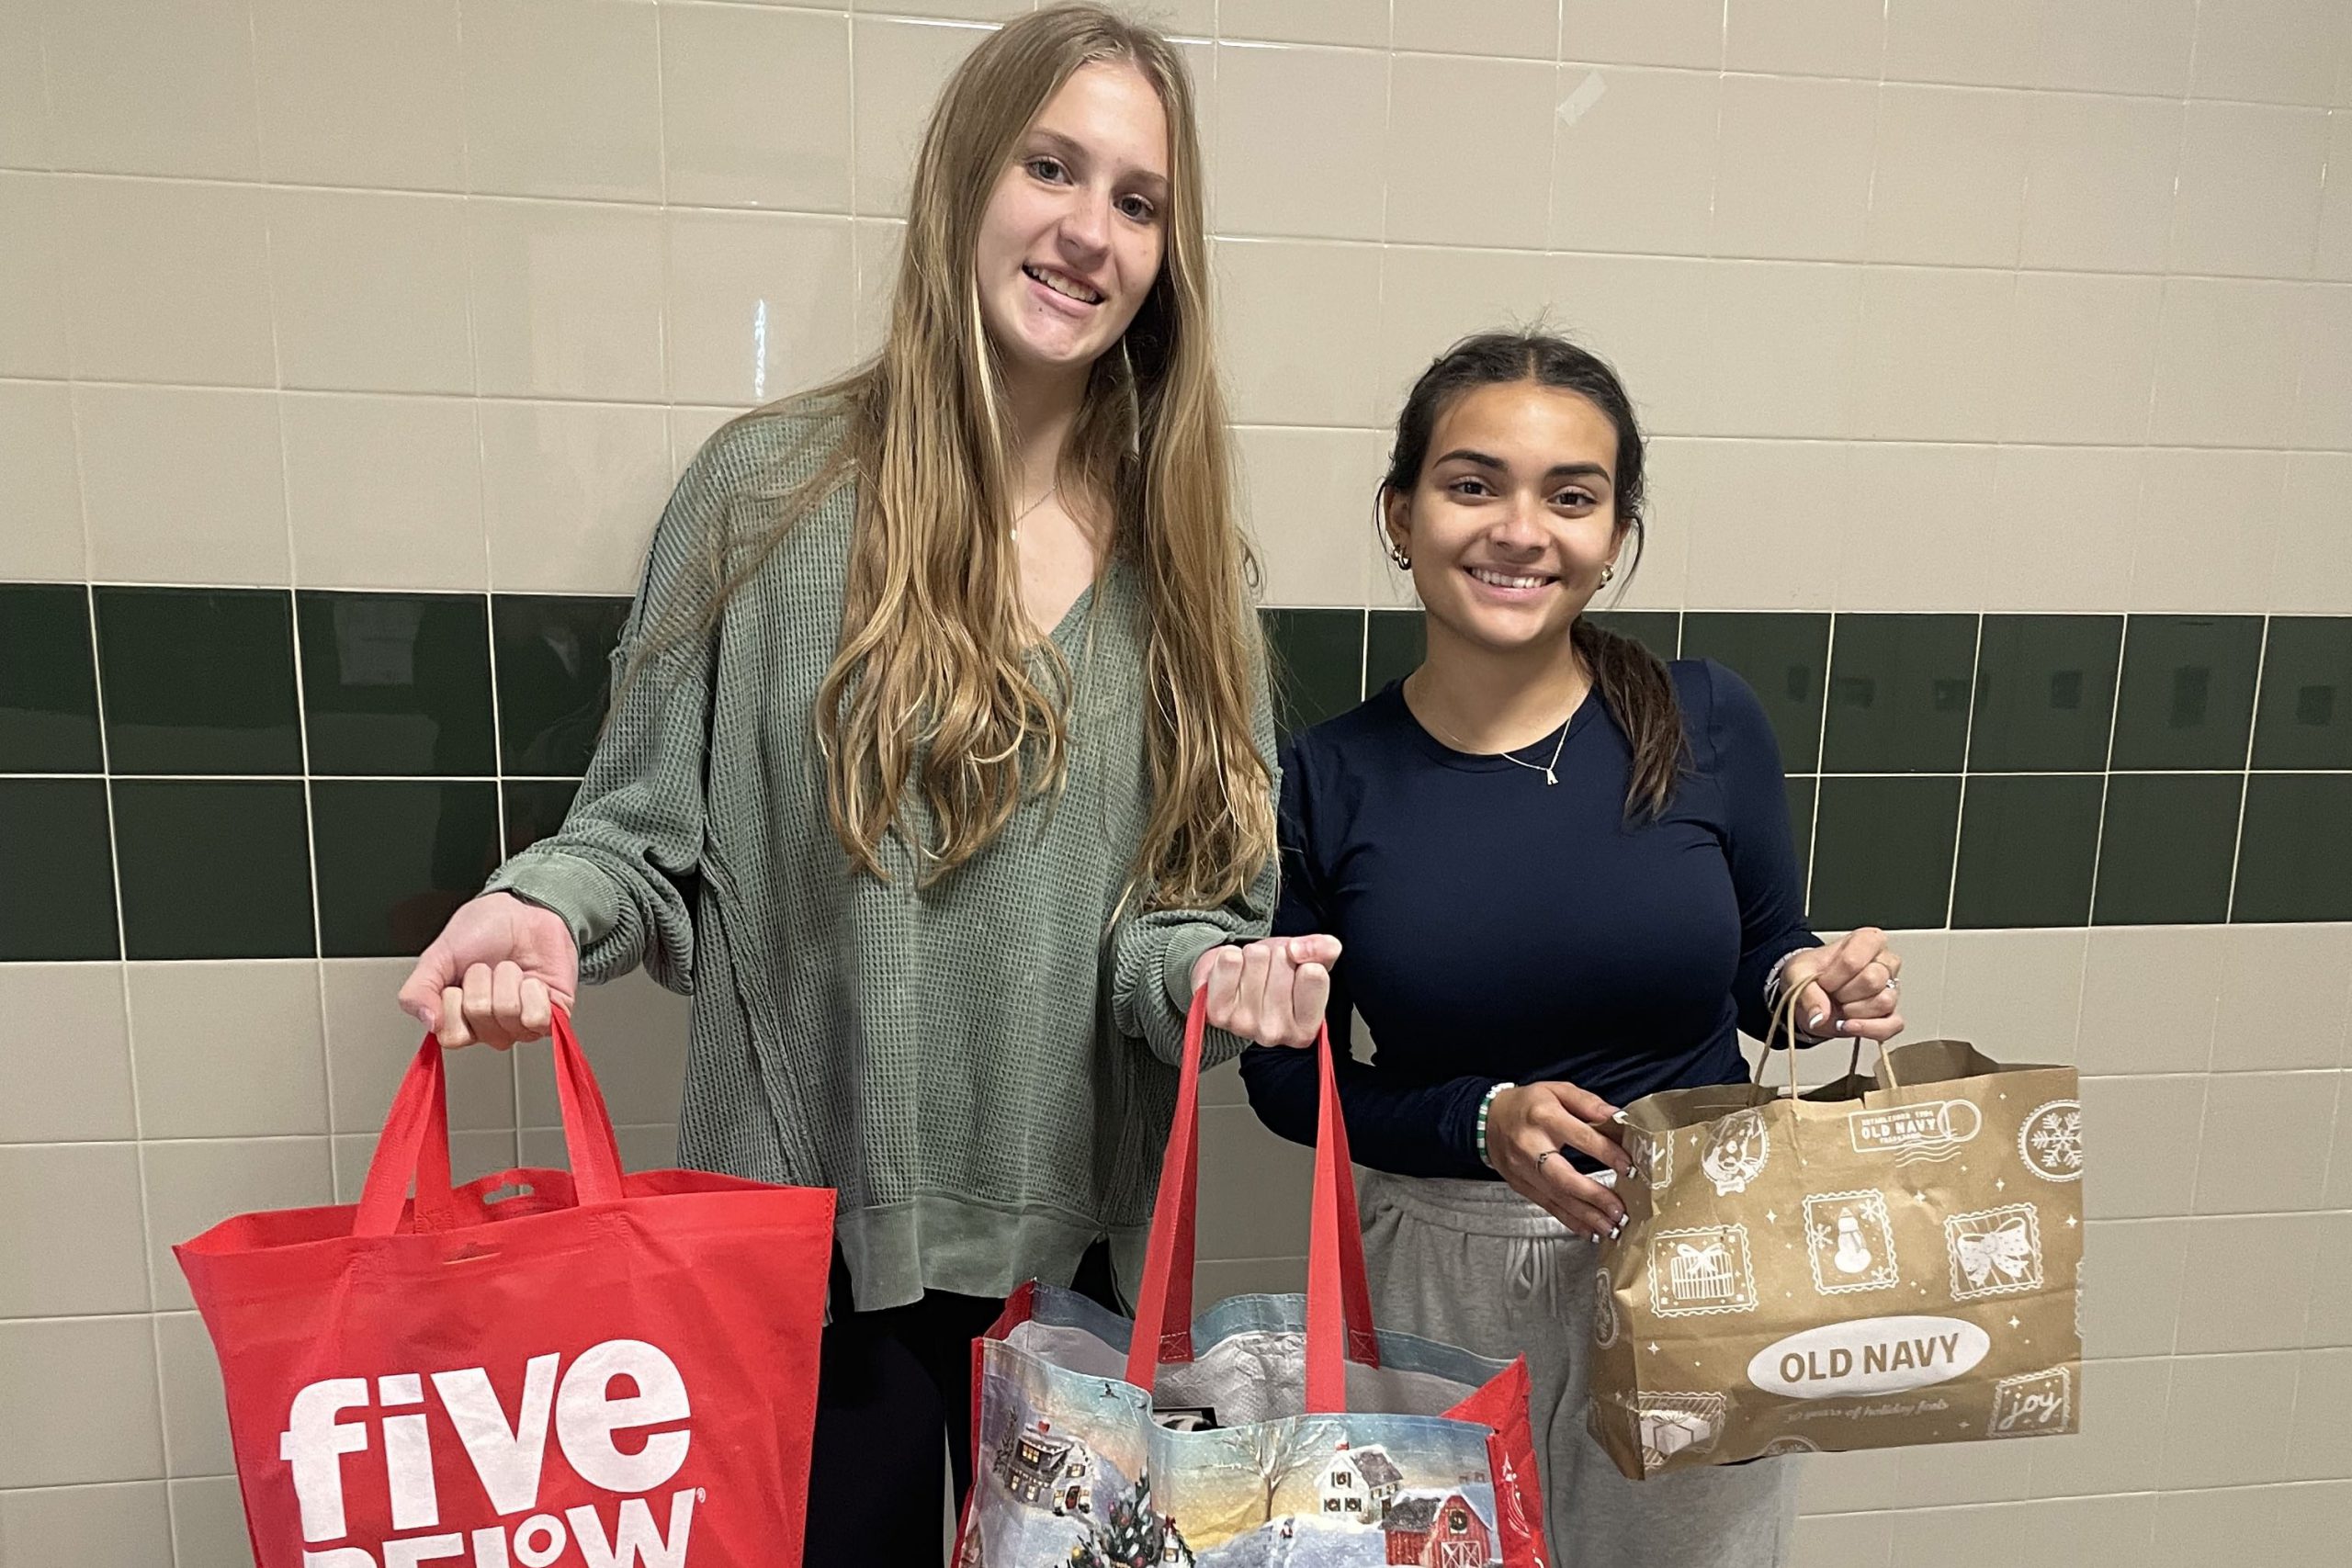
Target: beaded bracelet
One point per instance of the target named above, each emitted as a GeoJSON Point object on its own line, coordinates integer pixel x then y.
{"type": "Point", "coordinates": [1486, 1108]}
{"type": "Point", "coordinates": [1773, 981]}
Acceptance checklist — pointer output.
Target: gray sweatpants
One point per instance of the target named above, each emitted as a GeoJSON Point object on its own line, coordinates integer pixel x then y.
{"type": "Point", "coordinates": [1474, 1264]}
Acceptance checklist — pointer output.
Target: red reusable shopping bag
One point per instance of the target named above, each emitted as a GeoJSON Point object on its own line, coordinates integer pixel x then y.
{"type": "Point", "coordinates": [537, 1370]}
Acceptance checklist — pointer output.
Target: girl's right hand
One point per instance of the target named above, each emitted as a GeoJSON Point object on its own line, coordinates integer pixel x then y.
{"type": "Point", "coordinates": [495, 973]}
{"type": "Point", "coordinates": [1273, 991]}
{"type": "Point", "coordinates": [1530, 1130]}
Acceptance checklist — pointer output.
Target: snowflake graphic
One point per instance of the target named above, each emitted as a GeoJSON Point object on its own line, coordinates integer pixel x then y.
{"type": "Point", "coordinates": [2058, 1142]}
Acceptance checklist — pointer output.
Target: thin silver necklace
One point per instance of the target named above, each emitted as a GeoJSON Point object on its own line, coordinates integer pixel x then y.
{"type": "Point", "coordinates": [1549, 770]}
{"type": "Point", "coordinates": [1051, 490]}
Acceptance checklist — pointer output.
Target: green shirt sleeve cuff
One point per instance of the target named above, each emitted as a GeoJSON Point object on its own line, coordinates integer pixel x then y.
{"type": "Point", "coordinates": [1184, 950]}
{"type": "Point", "coordinates": [584, 896]}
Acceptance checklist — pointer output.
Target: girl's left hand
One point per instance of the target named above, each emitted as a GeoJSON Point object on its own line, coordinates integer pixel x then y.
{"type": "Point", "coordinates": [1272, 991]}
{"type": "Point", "coordinates": [1851, 988]}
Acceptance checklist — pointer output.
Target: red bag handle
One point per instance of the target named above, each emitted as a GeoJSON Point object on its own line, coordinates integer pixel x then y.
{"type": "Point", "coordinates": [1339, 1301]}
{"type": "Point", "coordinates": [414, 1143]}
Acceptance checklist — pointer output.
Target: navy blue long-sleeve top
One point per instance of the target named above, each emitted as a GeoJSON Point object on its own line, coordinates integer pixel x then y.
{"type": "Point", "coordinates": [1497, 929]}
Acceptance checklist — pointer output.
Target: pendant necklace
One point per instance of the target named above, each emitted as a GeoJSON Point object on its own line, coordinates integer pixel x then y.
{"type": "Point", "coordinates": [1549, 770]}
{"type": "Point", "coordinates": [1051, 490]}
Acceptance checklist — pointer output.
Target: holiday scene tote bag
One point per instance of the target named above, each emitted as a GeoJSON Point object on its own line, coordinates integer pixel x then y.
{"type": "Point", "coordinates": [1878, 1263]}
{"type": "Point", "coordinates": [541, 1369]}
{"type": "Point", "coordinates": [1270, 1430]}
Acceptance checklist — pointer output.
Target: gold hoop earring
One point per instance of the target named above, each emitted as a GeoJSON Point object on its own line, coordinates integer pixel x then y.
{"type": "Point", "coordinates": [1608, 573]}
{"type": "Point", "coordinates": [1398, 554]}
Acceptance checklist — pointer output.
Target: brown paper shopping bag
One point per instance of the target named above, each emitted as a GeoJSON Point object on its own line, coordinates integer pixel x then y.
{"type": "Point", "coordinates": [1878, 1263]}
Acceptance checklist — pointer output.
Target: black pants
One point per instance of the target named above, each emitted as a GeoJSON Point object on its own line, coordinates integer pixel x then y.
{"type": "Point", "coordinates": [894, 1411]}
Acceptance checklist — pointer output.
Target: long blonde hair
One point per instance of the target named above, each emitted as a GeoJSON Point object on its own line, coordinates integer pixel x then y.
{"type": "Point", "coordinates": [934, 678]}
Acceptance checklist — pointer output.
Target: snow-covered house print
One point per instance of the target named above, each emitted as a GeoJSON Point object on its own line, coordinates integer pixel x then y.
{"type": "Point", "coordinates": [1046, 1471]}
{"type": "Point", "coordinates": [1438, 1529]}
{"type": "Point", "coordinates": [1358, 1484]}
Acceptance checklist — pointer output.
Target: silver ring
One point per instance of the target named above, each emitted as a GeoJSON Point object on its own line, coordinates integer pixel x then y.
{"type": "Point", "coordinates": [1547, 1154]}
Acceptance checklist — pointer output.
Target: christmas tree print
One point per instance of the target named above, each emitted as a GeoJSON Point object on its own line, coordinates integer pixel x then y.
{"type": "Point", "coordinates": [1133, 1536]}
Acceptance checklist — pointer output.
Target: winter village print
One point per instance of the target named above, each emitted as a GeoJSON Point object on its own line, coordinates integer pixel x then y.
{"type": "Point", "coordinates": [1078, 1475]}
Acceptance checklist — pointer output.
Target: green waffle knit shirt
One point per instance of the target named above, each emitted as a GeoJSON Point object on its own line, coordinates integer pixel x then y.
{"type": "Point", "coordinates": [983, 1068]}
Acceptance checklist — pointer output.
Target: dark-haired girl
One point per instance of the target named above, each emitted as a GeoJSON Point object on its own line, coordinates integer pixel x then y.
{"type": "Point", "coordinates": [1562, 876]}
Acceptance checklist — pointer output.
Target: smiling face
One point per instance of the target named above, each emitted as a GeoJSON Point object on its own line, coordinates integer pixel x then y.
{"type": "Point", "coordinates": [1073, 236]}
{"type": "Point", "coordinates": [1514, 514]}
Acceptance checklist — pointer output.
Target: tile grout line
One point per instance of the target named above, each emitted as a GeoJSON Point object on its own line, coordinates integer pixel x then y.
{"type": "Point", "coordinates": [130, 1054]}
{"type": "Point", "coordinates": [1552, 124]}
{"type": "Point", "coordinates": [322, 778]}
{"type": "Point", "coordinates": [1813, 818]}
{"type": "Point", "coordinates": [161, 585]}
{"type": "Point", "coordinates": [290, 597]}
{"type": "Point", "coordinates": [294, 639]}
{"type": "Point", "coordinates": [2311, 1293]}
{"type": "Point", "coordinates": [292, 602]}
{"type": "Point", "coordinates": [669, 237]}
{"type": "Point", "coordinates": [270, 1137]}
{"type": "Point", "coordinates": [1959, 814]}
{"type": "Point", "coordinates": [2107, 781]}
{"type": "Point", "coordinates": [1658, 432]}
{"type": "Point", "coordinates": [498, 760]}
{"type": "Point", "coordinates": [1714, 131]}
{"type": "Point", "coordinates": [489, 556]}
{"type": "Point", "coordinates": [2204, 1090]}
{"type": "Point", "coordinates": [1821, 725]}
{"type": "Point", "coordinates": [2245, 777]}
{"type": "Point", "coordinates": [2205, 1085]}
{"type": "Point", "coordinates": [849, 58]}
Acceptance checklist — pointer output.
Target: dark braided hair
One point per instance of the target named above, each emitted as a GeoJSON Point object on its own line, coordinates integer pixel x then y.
{"type": "Point", "coordinates": [1632, 681]}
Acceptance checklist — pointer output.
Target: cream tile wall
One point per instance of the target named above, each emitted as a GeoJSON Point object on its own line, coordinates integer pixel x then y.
{"type": "Point", "coordinates": [2007, 305]}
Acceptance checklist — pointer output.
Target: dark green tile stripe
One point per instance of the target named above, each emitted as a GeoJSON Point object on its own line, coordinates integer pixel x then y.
{"type": "Point", "coordinates": [2167, 843]}
{"type": "Point", "coordinates": [56, 872]}
{"type": "Point", "coordinates": [535, 809]}
{"type": "Point", "coordinates": [261, 773]}
{"type": "Point", "coordinates": [49, 682]}
{"type": "Point", "coordinates": [397, 683]}
{"type": "Point", "coordinates": [1784, 656]}
{"type": "Point", "coordinates": [198, 680]}
{"type": "Point", "coordinates": [2304, 717]}
{"type": "Point", "coordinates": [2028, 848]}
{"type": "Point", "coordinates": [1394, 646]}
{"type": "Point", "coordinates": [1318, 663]}
{"type": "Point", "coordinates": [1660, 631]}
{"type": "Point", "coordinates": [213, 870]}
{"type": "Point", "coordinates": [397, 857]}
{"type": "Point", "coordinates": [2187, 696]}
{"type": "Point", "coordinates": [1802, 792]}
{"type": "Point", "coordinates": [552, 676]}
{"type": "Point", "coordinates": [162, 687]}
{"type": "Point", "coordinates": [2294, 852]}
{"type": "Point", "coordinates": [1883, 852]}
{"type": "Point", "coordinates": [1899, 694]}
{"type": "Point", "coordinates": [2045, 694]}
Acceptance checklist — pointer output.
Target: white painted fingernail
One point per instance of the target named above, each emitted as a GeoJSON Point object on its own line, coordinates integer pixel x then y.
{"type": "Point", "coordinates": [1814, 1021]}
